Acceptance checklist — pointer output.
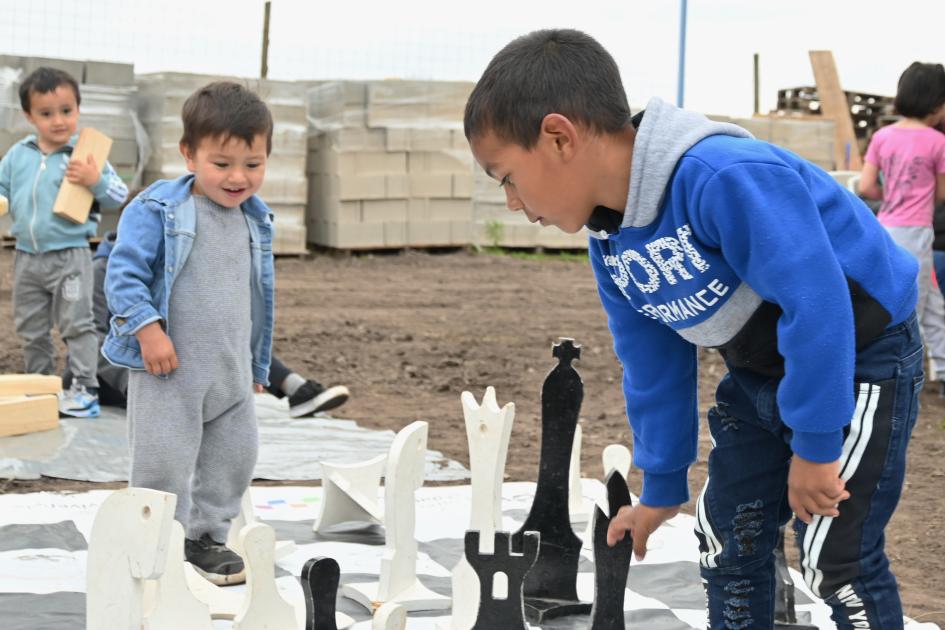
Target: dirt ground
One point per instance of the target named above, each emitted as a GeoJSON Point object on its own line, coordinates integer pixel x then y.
{"type": "Point", "coordinates": [409, 332]}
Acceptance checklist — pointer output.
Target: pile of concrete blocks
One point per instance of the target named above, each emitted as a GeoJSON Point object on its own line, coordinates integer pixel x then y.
{"type": "Point", "coordinates": [810, 138]}
{"type": "Point", "coordinates": [108, 104]}
{"type": "Point", "coordinates": [388, 165]}
{"type": "Point", "coordinates": [161, 97]}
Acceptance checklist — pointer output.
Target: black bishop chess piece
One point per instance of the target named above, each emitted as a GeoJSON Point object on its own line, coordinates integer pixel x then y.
{"type": "Point", "coordinates": [611, 564]}
{"type": "Point", "coordinates": [507, 613]}
{"type": "Point", "coordinates": [551, 585]}
{"type": "Point", "coordinates": [320, 577]}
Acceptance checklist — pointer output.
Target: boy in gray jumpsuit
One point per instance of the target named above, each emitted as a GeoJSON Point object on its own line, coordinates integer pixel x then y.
{"type": "Point", "coordinates": [190, 284]}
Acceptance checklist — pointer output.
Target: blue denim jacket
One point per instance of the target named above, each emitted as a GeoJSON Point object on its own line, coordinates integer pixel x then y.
{"type": "Point", "coordinates": [155, 235]}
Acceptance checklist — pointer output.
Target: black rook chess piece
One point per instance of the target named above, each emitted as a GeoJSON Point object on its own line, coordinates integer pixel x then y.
{"type": "Point", "coordinates": [551, 585]}
{"type": "Point", "coordinates": [507, 613]}
{"type": "Point", "coordinates": [611, 564]}
{"type": "Point", "coordinates": [319, 579]}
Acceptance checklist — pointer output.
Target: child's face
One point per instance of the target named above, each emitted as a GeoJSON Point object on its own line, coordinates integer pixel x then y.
{"type": "Point", "coordinates": [536, 181]}
{"type": "Point", "coordinates": [55, 115]}
{"type": "Point", "coordinates": [228, 172]}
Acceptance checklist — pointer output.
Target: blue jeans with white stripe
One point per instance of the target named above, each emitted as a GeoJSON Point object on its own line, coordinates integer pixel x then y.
{"type": "Point", "coordinates": [744, 502]}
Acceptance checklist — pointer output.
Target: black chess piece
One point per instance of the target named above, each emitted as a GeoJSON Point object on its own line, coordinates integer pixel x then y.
{"type": "Point", "coordinates": [507, 613]}
{"type": "Point", "coordinates": [611, 564]}
{"type": "Point", "coordinates": [551, 585]}
{"type": "Point", "coordinates": [320, 577]}
{"type": "Point", "coordinates": [785, 614]}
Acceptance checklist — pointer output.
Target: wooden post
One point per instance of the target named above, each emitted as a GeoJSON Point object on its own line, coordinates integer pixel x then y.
{"type": "Point", "coordinates": [264, 70]}
{"type": "Point", "coordinates": [833, 104]}
{"type": "Point", "coordinates": [757, 85]}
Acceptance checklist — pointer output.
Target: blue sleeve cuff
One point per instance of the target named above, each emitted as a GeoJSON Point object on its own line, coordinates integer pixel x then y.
{"type": "Point", "coordinates": [261, 374]}
{"type": "Point", "coordinates": [822, 448]}
{"type": "Point", "coordinates": [665, 489]}
{"type": "Point", "coordinates": [135, 319]}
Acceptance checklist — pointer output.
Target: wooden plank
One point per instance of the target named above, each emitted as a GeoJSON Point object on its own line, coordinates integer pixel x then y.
{"type": "Point", "coordinates": [28, 414]}
{"type": "Point", "coordinates": [74, 201]}
{"type": "Point", "coordinates": [29, 384]}
{"type": "Point", "coordinates": [833, 103]}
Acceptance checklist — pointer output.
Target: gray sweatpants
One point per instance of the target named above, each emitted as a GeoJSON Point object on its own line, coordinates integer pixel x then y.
{"type": "Point", "coordinates": [56, 287]}
{"type": "Point", "coordinates": [182, 443]}
{"type": "Point", "coordinates": [918, 241]}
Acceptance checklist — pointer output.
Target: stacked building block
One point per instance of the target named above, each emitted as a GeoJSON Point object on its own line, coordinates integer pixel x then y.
{"type": "Point", "coordinates": [388, 165]}
{"type": "Point", "coordinates": [108, 104]}
{"type": "Point", "coordinates": [811, 139]}
{"type": "Point", "coordinates": [161, 97]}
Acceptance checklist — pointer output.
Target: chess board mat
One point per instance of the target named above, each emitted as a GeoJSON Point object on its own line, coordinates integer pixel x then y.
{"type": "Point", "coordinates": [43, 550]}
{"type": "Point", "coordinates": [96, 449]}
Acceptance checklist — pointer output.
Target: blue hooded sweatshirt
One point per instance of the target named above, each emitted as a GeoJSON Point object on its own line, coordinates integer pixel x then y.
{"type": "Point", "coordinates": [732, 243]}
{"type": "Point", "coordinates": [30, 179]}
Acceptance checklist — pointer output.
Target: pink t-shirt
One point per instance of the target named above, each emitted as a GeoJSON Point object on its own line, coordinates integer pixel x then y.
{"type": "Point", "coordinates": [910, 159]}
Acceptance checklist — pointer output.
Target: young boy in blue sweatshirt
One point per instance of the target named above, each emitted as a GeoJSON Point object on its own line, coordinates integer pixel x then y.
{"type": "Point", "coordinates": [52, 280]}
{"type": "Point", "coordinates": [703, 236]}
{"type": "Point", "coordinates": [190, 286]}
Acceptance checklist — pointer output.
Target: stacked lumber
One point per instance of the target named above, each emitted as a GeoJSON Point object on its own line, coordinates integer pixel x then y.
{"type": "Point", "coordinates": [28, 403]}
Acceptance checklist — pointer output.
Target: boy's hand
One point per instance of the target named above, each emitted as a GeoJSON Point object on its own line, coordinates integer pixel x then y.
{"type": "Point", "coordinates": [641, 521]}
{"type": "Point", "coordinates": [83, 172]}
{"type": "Point", "coordinates": [815, 488]}
{"type": "Point", "coordinates": [157, 350]}
{"type": "Point", "coordinates": [258, 388]}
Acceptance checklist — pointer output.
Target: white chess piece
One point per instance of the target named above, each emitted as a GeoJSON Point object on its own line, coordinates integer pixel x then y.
{"type": "Point", "coordinates": [247, 516]}
{"type": "Point", "coordinates": [128, 545]}
{"type": "Point", "coordinates": [614, 457]}
{"type": "Point", "coordinates": [170, 603]}
{"type": "Point", "coordinates": [390, 616]}
{"type": "Point", "coordinates": [350, 493]}
{"type": "Point", "coordinates": [398, 576]}
{"type": "Point", "coordinates": [488, 430]}
{"type": "Point", "coordinates": [263, 607]}
{"type": "Point", "coordinates": [578, 507]}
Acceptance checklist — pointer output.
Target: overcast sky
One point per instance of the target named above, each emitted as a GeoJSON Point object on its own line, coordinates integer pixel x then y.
{"type": "Point", "coordinates": [426, 39]}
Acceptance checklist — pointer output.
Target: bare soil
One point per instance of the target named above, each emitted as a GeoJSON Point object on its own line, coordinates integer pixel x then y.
{"type": "Point", "coordinates": [409, 332]}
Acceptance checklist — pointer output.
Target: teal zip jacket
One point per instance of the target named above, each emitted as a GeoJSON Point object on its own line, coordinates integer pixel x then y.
{"type": "Point", "coordinates": [30, 180]}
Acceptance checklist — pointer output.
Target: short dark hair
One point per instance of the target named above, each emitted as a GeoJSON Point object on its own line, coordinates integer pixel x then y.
{"type": "Point", "coordinates": [921, 90]}
{"type": "Point", "coordinates": [43, 80]}
{"type": "Point", "coordinates": [550, 71]}
{"type": "Point", "coordinates": [225, 109]}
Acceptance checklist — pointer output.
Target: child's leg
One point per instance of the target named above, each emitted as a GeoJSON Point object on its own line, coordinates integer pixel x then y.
{"type": "Point", "coordinates": [32, 313]}
{"type": "Point", "coordinates": [164, 433]}
{"type": "Point", "coordinates": [224, 470]}
{"type": "Point", "coordinates": [743, 504]}
{"type": "Point", "coordinates": [843, 559]}
{"type": "Point", "coordinates": [72, 306]}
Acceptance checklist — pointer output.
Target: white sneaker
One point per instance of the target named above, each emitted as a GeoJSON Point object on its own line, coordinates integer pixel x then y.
{"type": "Point", "coordinates": [78, 402]}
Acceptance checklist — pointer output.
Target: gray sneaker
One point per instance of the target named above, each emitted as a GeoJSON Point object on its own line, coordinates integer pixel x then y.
{"type": "Point", "coordinates": [78, 402]}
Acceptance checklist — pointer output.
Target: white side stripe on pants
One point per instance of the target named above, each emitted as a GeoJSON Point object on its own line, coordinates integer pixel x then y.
{"type": "Point", "coordinates": [708, 559]}
{"type": "Point", "coordinates": [861, 428]}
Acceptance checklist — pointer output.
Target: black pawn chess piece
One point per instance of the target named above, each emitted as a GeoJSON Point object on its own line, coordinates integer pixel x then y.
{"type": "Point", "coordinates": [785, 614]}
{"type": "Point", "coordinates": [320, 578]}
{"type": "Point", "coordinates": [507, 613]}
{"type": "Point", "coordinates": [551, 585]}
{"type": "Point", "coordinates": [611, 564]}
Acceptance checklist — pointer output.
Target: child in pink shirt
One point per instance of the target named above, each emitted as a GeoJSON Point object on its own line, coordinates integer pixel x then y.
{"type": "Point", "coordinates": [910, 155]}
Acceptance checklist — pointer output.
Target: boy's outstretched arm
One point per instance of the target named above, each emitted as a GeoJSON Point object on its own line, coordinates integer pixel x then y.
{"type": "Point", "coordinates": [641, 521]}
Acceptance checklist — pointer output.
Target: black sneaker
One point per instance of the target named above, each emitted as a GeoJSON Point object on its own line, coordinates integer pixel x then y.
{"type": "Point", "coordinates": [215, 561]}
{"type": "Point", "coordinates": [311, 397]}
